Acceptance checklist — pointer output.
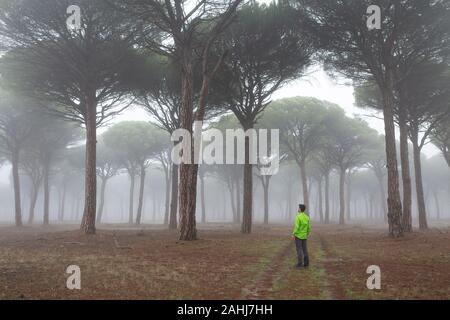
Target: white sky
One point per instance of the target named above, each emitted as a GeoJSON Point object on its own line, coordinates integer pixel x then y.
{"type": "Point", "coordinates": [317, 84]}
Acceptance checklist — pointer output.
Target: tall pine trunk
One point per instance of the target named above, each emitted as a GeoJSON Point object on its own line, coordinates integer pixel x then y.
{"type": "Point", "coordinates": [102, 200]}
{"type": "Point", "coordinates": [90, 203]}
{"type": "Point", "coordinates": [141, 195]}
{"type": "Point", "coordinates": [349, 196]}
{"type": "Point", "coordinates": [266, 200]}
{"type": "Point", "coordinates": [319, 186]}
{"type": "Point", "coordinates": [342, 196]}
{"type": "Point", "coordinates": [230, 185]}
{"type": "Point", "coordinates": [304, 179]}
{"type": "Point", "coordinates": [174, 198]}
{"type": "Point", "coordinates": [202, 197]}
{"type": "Point", "coordinates": [327, 198]}
{"type": "Point", "coordinates": [248, 188]}
{"type": "Point", "coordinates": [238, 200]}
{"type": "Point", "coordinates": [16, 183]}
{"type": "Point", "coordinates": [419, 184]}
{"type": "Point", "coordinates": [46, 175]}
{"type": "Point", "coordinates": [33, 200]}
{"type": "Point", "coordinates": [131, 198]}
{"type": "Point", "coordinates": [167, 196]}
{"type": "Point", "coordinates": [63, 201]}
{"type": "Point", "coordinates": [187, 190]}
{"type": "Point", "coordinates": [394, 202]}
{"type": "Point", "coordinates": [406, 176]}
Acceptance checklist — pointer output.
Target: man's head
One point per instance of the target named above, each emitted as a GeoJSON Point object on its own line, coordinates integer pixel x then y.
{"type": "Point", "coordinates": [301, 207]}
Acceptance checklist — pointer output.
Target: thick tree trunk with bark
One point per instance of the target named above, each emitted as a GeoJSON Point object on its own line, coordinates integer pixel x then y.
{"type": "Point", "coordinates": [187, 191]}
{"type": "Point", "coordinates": [327, 198]}
{"type": "Point", "coordinates": [342, 196]}
{"type": "Point", "coordinates": [90, 203]}
{"type": "Point", "coordinates": [102, 199]}
{"type": "Point", "coordinates": [141, 195]}
{"type": "Point", "coordinates": [406, 176]}
{"type": "Point", "coordinates": [394, 202]}
{"type": "Point", "coordinates": [46, 176]}
{"type": "Point", "coordinates": [419, 185]}
{"type": "Point", "coordinates": [174, 198]}
{"type": "Point", "coordinates": [16, 183]}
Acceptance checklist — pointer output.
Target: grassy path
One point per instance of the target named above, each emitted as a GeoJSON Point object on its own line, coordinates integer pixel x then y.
{"type": "Point", "coordinates": [281, 280]}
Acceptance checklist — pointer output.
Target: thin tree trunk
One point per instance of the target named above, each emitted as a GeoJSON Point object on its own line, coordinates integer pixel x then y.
{"type": "Point", "coordinates": [238, 200]}
{"type": "Point", "coordinates": [88, 220]}
{"type": "Point", "coordinates": [342, 196]}
{"type": "Point", "coordinates": [174, 198]}
{"type": "Point", "coordinates": [131, 197]}
{"type": "Point", "coordinates": [327, 198]}
{"type": "Point", "coordinates": [349, 196]}
{"type": "Point", "coordinates": [230, 185]}
{"type": "Point", "coordinates": [46, 175]}
{"type": "Point", "coordinates": [366, 206]}
{"type": "Point", "coordinates": [266, 200]}
{"type": "Point", "coordinates": [419, 186]}
{"type": "Point", "coordinates": [202, 197]}
{"type": "Point", "coordinates": [102, 200]}
{"type": "Point", "coordinates": [167, 196]}
{"type": "Point", "coordinates": [394, 202]}
{"type": "Point", "coordinates": [33, 199]}
{"type": "Point", "coordinates": [436, 202]}
{"type": "Point", "coordinates": [59, 204]}
{"type": "Point", "coordinates": [141, 195]}
{"type": "Point", "coordinates": [63, 200]}
{"type": "Point", "coordinates": [16, 183]}
{"type": "Point", "coordinates": [382, 197]}
{"type": "Point", "coordinates": [289, 205]}
{"type": "Point", "coordinates": [406, 176]}
{"type": "Point", "coordinates": [304, 179]}
{"type": "Point", "coordinates": [371, 207]}
{"type": "Point", "coordinates": [319, 186]}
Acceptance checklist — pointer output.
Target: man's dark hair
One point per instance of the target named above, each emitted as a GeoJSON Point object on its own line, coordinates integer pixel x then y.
{"type": "Point", "coordinates": [302, 207]}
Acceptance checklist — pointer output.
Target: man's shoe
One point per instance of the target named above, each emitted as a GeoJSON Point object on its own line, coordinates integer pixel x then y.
{"type": "Point", "coordinates": [299, 266]}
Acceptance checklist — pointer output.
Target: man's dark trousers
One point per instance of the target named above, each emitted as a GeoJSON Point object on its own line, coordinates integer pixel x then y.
{"type": "Point", "coordinates": [302, 252]}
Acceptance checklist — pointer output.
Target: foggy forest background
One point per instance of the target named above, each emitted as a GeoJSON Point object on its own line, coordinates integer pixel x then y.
{"type": "Point", "coordinates": [333, 162]}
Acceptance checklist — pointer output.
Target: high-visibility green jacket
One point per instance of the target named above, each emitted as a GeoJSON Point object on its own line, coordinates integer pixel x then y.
{"type": "Point", "coordinates": [302, 226]}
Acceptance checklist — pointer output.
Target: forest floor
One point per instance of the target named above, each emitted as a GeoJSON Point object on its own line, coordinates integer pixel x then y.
{"type": "Point", "coordinates": [121, 262]}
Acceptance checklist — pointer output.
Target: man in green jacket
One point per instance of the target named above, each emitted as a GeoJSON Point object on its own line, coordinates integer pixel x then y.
{"type": "Point", "coordinates": [302, 228]}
